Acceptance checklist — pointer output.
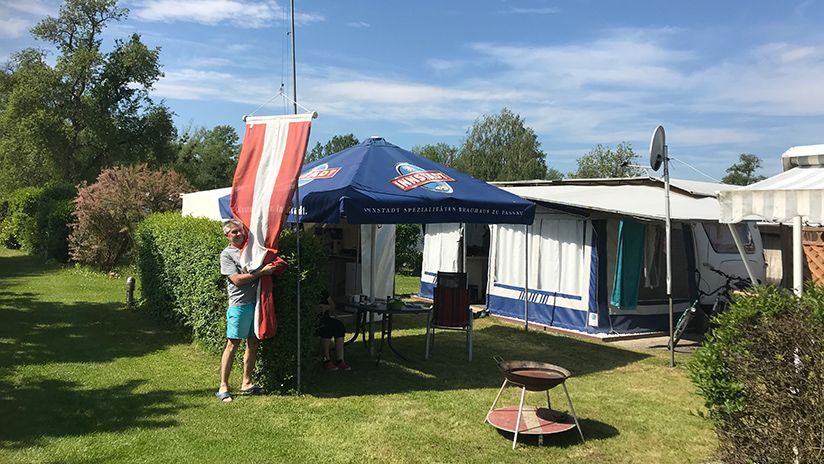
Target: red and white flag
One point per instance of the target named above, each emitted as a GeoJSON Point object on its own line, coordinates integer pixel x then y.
{"type": "Point", "coordinates": [262, 190]}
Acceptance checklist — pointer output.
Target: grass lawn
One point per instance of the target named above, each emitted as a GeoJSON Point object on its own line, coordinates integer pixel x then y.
{"type": "Point", "coordinates": [407, 285]}
{"type": "Point", "coordinates": [82, 379]}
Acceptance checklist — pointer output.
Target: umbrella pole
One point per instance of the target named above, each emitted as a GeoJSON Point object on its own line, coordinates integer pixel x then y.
{"type": "Point", "coordinates": [798, 257]}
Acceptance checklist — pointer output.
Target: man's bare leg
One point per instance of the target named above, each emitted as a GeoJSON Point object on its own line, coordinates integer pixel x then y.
{"type": "Point", "coordinates": [226, 364]}
{"type": "Point", "coordinates": [249, 357]}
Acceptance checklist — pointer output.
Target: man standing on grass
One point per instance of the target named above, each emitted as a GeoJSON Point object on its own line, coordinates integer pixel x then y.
{"type": "Point", "coordinates": [242, 287]}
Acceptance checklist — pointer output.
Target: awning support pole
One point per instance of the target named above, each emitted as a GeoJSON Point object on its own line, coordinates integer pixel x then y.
{"type": "Point", "coordinates": [798, 256]}
{"type": "Point", "coordinates": [743, 253]}
{"type": "Point", "coordinates": [526, 277]}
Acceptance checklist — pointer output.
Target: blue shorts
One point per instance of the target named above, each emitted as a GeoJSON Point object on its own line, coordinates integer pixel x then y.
{"type": "Point", "coordinates": [240, 321]}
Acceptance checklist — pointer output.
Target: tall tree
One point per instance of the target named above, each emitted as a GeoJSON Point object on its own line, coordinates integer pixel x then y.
{"type": "Point", "coordinates": [743, 172]}
{"type": "Point", "coordinates": [501, 147]}
{"type": "Point", "coordinates": [440, 153]}
{"type": "Point", "coordinates": [334, 145]}
{"type": "Point", "coordinates": [603, 162]}
{"type": "Point", "coordinates": [207, 158]}
{"type": "Point", "coordinates": [88, 111]}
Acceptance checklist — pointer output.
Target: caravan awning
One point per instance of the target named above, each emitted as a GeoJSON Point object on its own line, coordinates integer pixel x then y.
{"type": "Point", "coordinates": [797, 192]}
{"type": "Point", "coordinates": [640, 201]}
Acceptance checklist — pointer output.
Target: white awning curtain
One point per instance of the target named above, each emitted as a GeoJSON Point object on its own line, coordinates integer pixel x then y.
{"type": "Point", "coordinates": [797, 192]}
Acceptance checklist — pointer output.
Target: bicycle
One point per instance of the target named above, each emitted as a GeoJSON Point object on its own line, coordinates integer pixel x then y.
{"type": "Point", "coordinates": [723, 299]}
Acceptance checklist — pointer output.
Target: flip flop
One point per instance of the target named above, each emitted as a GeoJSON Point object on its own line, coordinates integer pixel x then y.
{"type": "Point", "coordinates": [253, 390]}
{"type": "Point", "coordinates": [223, 396]}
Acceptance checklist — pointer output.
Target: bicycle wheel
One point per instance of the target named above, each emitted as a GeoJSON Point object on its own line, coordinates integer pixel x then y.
{"type": "Point", "coordinates": [681, 327]}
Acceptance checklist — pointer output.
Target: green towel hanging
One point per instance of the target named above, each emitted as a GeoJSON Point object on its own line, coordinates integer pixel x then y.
{"type": "Point", "coordinates": [628, 265]}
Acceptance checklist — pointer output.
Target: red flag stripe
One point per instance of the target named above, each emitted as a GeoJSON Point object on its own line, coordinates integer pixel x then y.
{"type": "Point", "coordinates": [243, 184]}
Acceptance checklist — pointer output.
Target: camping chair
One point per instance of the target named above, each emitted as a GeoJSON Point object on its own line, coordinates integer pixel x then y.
{"type": "Point", "coordinates": [450, 309]}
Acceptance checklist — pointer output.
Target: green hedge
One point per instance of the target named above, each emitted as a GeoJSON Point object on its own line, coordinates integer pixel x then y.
{"type": "Point", "coordinates": [19, 225]}
{"type": "Point", "coordinates": [178, 263]}
{"type": "Point", "coordinates": [761, 373]}
{"type": "Point", "coordinates": [36, 220]}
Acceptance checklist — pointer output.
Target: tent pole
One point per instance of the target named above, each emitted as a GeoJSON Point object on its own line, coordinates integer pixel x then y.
{"type": "Point", "coordinates": [463, 249]}
{"type": "Point", "coordinates": [526, 277]}
{"type": "Point", "coordinates": [742, 252]}
{"type": "Point", "coordinates": [798, 256]}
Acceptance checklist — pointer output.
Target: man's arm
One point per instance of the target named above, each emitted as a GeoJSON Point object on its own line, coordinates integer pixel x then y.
{"type": "Point", "coordinates": [249, 277]}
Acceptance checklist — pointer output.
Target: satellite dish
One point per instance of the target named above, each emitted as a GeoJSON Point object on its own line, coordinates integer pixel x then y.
{"type": "Point", "coordinates": [657, 148]}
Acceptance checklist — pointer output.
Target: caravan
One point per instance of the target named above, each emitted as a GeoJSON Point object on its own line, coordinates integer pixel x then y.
{"type": "Point", "coordinates": [593, 260]}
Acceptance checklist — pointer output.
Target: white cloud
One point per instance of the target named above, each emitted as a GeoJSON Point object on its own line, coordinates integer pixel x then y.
{"type": "Point", "coordinates": [358, 24]}
{"type": "Point", "coordinates": [17, 17]}
{"type": "Point", "coordinates": [35, 8]}
{"type": "Point", "coordinates": [13, 27]}
{"type": "Point", "coordinates": [249, 14]}
{"type": "Point", "coordinates": [776, 79]}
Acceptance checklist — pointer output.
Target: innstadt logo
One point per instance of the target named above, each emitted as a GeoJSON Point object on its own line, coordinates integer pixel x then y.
{"type": "Point", "coordinates": [412, 176]}
{"type": "Point", "coordinates": [321, 171]}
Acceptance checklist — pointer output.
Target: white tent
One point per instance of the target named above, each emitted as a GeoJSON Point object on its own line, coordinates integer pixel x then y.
{"type": "Point", "coordinates": [206, 204]}
{"type": "Point", "coordinates": [796, 195]}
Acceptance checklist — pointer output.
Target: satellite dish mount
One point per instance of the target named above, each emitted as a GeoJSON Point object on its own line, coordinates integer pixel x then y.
{"type": "Point", "coordinates": [657, 157]}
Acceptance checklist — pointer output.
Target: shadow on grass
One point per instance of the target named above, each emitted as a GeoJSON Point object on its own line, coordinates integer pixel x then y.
{"type": "Point", "coordinates": [42, 332]}
{"type": "Point", "coordinates": [54, 408]}
{"type": "Point", "coordinates": [593, 430]}
{"type": "Point", "coordinates": [20, 266]}
{"type": "Point", "coordinates": [448, 367]}
{"type": "Point", "coordinates": [38, 332]}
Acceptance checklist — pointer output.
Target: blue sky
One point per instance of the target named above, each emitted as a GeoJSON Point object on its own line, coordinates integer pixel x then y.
{"type": "Point", "coordinates": [723, 78]}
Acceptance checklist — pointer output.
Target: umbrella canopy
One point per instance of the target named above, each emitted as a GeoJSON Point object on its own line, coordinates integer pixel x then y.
{"type": "Point", "coordinates": [377, 182]}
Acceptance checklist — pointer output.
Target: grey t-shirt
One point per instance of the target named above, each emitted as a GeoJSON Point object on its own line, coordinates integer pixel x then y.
{"type": "Point", "coordinates": [230, 264]}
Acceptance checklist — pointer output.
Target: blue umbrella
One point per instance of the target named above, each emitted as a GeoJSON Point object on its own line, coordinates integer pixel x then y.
{"type": "Point", "coordinates": [376, 182]}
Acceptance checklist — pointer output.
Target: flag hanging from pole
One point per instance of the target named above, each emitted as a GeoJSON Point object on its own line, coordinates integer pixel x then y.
{"type": "Point", "coordinates": [265, 179]}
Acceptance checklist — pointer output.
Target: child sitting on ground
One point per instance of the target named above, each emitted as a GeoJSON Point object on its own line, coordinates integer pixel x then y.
{"type": "Point", "coordinates": [329, 328]}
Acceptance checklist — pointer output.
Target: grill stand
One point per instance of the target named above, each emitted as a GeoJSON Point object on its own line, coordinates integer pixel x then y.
{"type": "Point", "coordinates": [497, 417]}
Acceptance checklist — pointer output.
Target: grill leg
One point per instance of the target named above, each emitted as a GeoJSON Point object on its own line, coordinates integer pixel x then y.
{"type": "Point", "coordinates": [496, 400]}
{"type": "Point", "coordinates": [548, 402]}
{"type": "Point", "coordinates": [578, 426]}
{"type": "Point", "coordinates": [518, 420]}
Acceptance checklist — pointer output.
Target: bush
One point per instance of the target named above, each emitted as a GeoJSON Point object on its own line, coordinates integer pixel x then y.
{"type": "Point", "coordinates": [408, 257]}
{"type": "Point", "coordinates": [18, 226]}
{"type": "Point", "coordinates": [54, 213]}
{"type": "Point", "coordinates": [36, 219]}
{"type": "Point", "coordinates": [761, 373]}
{"type": "Point", "coordinates": [177, 259]}
{"type": "Point", "coordinates": [107, 212]}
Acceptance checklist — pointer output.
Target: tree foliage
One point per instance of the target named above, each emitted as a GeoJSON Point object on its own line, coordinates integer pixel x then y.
{"type": "Point", "coordinates": [439, 152]}
{"type": "Point", "coordinates": [89, 110]}
{"type": "Point", "coordinates": [743, 172]}
{"type": "Point", "coordinates": [334, 145]}
{"type": "Point", "coordinates": [501, 147]}
{"type": "Point", "coordinates": [107, 211]}
{"type": "Point", "coordinates": [603, 162]}
{"type": "Point", "coordinates": [207, 158]}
